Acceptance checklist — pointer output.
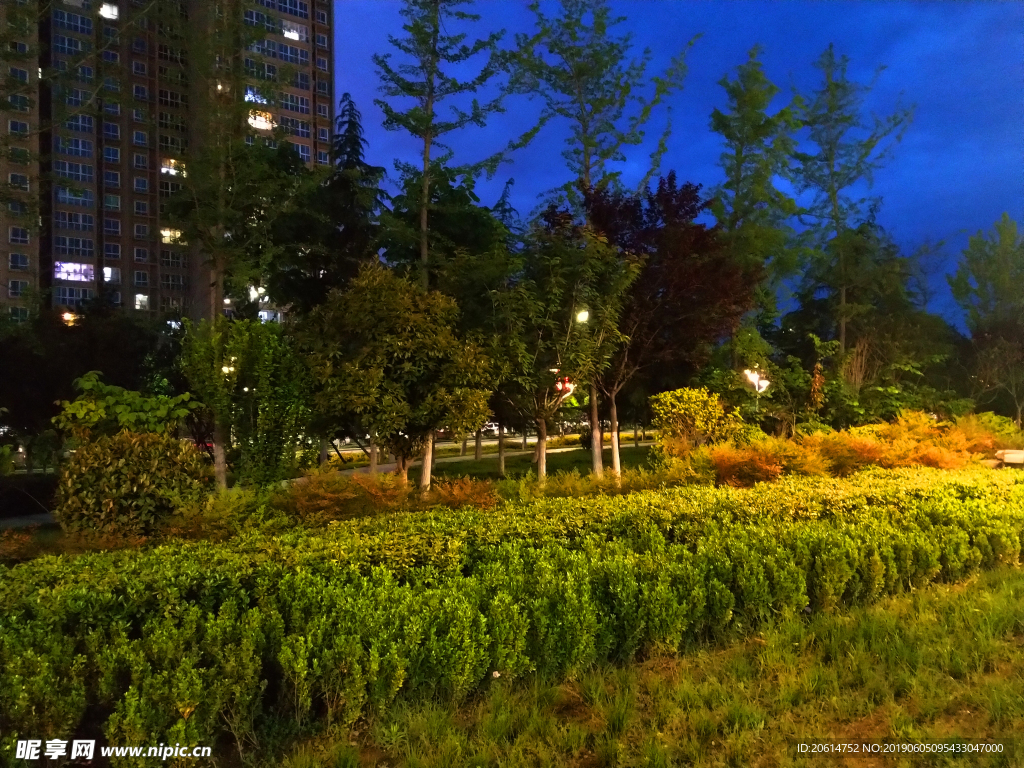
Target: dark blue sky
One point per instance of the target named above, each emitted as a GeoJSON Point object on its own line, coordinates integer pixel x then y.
{"type": "Point", "coordinates": [959, 166]}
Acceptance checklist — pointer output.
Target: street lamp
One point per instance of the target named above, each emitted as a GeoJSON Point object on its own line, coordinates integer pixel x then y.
{"type": "Point", "coordinates": [759, 383]}
{"type": "Point", "coordinates": [582, 316]}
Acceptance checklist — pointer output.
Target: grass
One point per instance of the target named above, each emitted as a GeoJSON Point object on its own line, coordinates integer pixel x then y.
{"type": "Point", "coordinates": [944, 664]}
{"type": "Point", "coordinates": [522, 465]}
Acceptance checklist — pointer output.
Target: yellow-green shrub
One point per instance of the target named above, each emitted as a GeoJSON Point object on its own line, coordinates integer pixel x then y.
{"type": "Point", "coordinates": [687, 418]}
{"type": "Point", "coordinates": [128, 483]}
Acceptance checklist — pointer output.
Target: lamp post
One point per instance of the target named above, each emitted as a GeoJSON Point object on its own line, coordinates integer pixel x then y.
{"type": "Point", "coordinates": [759, 384]}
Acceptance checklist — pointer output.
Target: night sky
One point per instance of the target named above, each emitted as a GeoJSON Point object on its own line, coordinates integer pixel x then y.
{"type": "Point", "coordinates": [961, 64]}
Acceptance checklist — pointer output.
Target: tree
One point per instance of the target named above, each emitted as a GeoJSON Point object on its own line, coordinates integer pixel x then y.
{"type": "Point", "coordinates": [581, 72]}
{"type": "Point", "coordinates": [847, 152]}
{"type": "Point", "coordinates": [431, 79]}
{"type": "Point", "coordinates": [401, 377]}
{"type": "Point", "coordinates": [332, 228]}
{"type": "Point", "coordinates": [987, 286]}
{"type": "Point", "coordinates": [749, 208]}
{"type": "Point", "coordinates": [256, 386]}
{"type": "Point", "coordinates": [690, 291]}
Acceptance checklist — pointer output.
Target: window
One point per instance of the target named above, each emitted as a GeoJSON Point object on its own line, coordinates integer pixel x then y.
{"type": "Point", "coordinates": [17, 288]}
{"type": "Point", "coordinates": [73, 171]}
{"type": "Point", "coordinates": [139, 68]}
{"type": "Point", "coordinates": [17, 127]}
{"type": "Point", "coordinates": [141, 279]}
{"type": "Point", "coordinates": [141, 92]}
{"type": "Point", "coordinates": [171, 304]}
{"type": "Point", "coordinates": [257, 19]}
{"type": "Point", "coordinates": [19, 314]}
{"type": "Point", "coordinates": [17, 207]}
{"type": "Point", "coordinates": [112, 275]}
{"type": "Point", "coordinates": [139, 115]}
{"type": "Point", "coordinates": [173, 259]}
{"type": "Point", "coordinates": [19, 156]}
{"type": "Point", "coordinates": [292, 54]}
{"type": "Point", "coordinates": [321, 17]}
{"type": "Point", "coordinates": [321, 40]}
{"type": "Point", "coordinates": [321, 110]}
{"type": "Point", "coordinates": [321, 63]}
{"type": "Point", "coordinates": [323, 134]}
{"type": "Point", "coordinates": [172, 282]}
{"type": "Point", "coordinates": [18, 262]}
{"type": "Point", "coordinates": [112, 227]}
{"type": "Point", "coordinates": [138, 45]}
{"type": "Point", "coordinates": [111, 84]}
{"type": "Point", "coordinates": [174, 55]}
{"type": "Point", "coordinates": [141, 184]}
{"type": "Point", "coordinates": [111, 131]}
{"type": "Point", "coordinates": [261, 121]}
{"type": "Point", "coordinates": [141, 160]}
{"type": "Point", "coordinates": [170, 235]}
{"type": "Point", "coordinates": [79, 123]}
{"type": "Point", "coordinates": [303, 151]}
{"type": "Point", "coordinates": [70, 146]}
{"type": "Point", "coordinates": [112, 202]}
{"type": "Point", "coordinates": [73, 271]}
{"type": "Point", "coordinates": [172, 122]}
{"type": "Point", "coordinates": [111, 179]}
{"type": "Point", "coordinates": [141, 255]}
{"type": "Point", "coordinates": [20, 48]}
{"type": "Point", "coordinates": [141, 231]}
{"type": "Point", "coordinates": [66, 296]}
{"type": "Point", "coordinates": [73, 22]}
{"type": "Point", "coordinates": [141, 301]}
{"type": "Point", "coordinates": [18, 103]}
{"type": "Point", "coordinates": [84, 74]}
{"type": "Point", "coordinates": [141, 208]}
{"type": "Point", "coordinates": [171, 166]}
{"type": "Point", "coordinates": [73, 246]}
{"type": "Point", "coordinates": [294, 7]}
{"type": "Point", "coordinates": [173, 144]}
{"type": "Point", "coordinates": [111, 56]}
{"type": "Point", "coordinates": [293, 31]}
{"type": "Point", "coordinates": [115, 298]}
{"type": "Point", "coordinates": [112, 108]}
{"type": "Point", "coordinates": [17, 235]}
{"type": "Point", "coordinates": [19, 74]}
{"type": "Point", "coordinates": [83, 198]}
{"type": "Point", "coordinates": [111, 155]}
{"type": "Point", "coordinates": [323, 157]}
{"type": "Point", "coordinates": [294, 103]}
{"type": "Point", "coordinates": [112, 251]}
{"type": "Point", "coordinates": [168, 188]}
{"type": "Point", "coordinates": [296, 127]}
{"type": "Point", "coordinates": [68, 220]}
{"type": "Point", "coordinates": [171, 99]}
{"type": "Point", "coordinates": [140, 139]}
{"type": "Point", "coordinates": [109, 11]}
{"type": "Point", "coordinates": [69, 45]}
{"type": "Point", "coordinates": [301, 81]}
{"type": "Point", "coordinates": [323, 88]}
{"type": "Point", "coordinates": [253, 96]}
{"type": "Point", "coordinates": [18, 181]}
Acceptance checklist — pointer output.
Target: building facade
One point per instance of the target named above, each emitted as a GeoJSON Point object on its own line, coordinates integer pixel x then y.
{"type": "Point", "coordinates": [106, 132]}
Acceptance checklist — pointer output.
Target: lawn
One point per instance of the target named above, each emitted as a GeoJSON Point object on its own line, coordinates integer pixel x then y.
{"type": "Point", "coordinates": [941, 665]}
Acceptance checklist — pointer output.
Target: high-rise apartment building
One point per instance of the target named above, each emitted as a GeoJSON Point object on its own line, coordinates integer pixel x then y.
{"type": "Point", "coordinates": [105, 121]}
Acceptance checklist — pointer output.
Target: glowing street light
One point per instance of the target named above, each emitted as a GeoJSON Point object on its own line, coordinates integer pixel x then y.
{"type": "Point", "coordinates": [582, 316]}
{"type": "Point", "coordinates": [759, 383]}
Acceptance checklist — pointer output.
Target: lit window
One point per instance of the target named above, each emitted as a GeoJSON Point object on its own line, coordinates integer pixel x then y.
{"type": "Point", "coordinates": [253, 96]}
{"type": "Point", "coordinates": [170, 235]}
{"type": "Point", "coordinates": [172, 166]}
{"type": "Point", "coordinates": [112, 275]}
{"type": "Point", "coordinates": [109, 11]}
{"type": "Point", "coordinates": [262, 121]}
{"type": "Point", "coordinates": [73, 271]}
{"type": "Point", "coordinates": [141, 301]}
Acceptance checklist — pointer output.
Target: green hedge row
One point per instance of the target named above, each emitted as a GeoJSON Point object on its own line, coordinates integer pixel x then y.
{"type": "Point", "coordinates": [248, 643]}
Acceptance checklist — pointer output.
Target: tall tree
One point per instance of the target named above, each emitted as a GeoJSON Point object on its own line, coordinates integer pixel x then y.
{"type": "Point", "coordinates": [750, 209]}
{"type": "Point", "coordinates": [584, 75]}
{"type": "Point", "coordinates": [987, 286]}
{"type": "Point", "coordinates": [847, 151]}
{"type": "Point", "coordinates": [402, 376]}
{"type": "Point", "coordinates": [430, 79]}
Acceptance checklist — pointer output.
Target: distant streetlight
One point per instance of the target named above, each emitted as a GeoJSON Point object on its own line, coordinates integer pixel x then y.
{"type": "Point", "coordinates": [582, 316]}
{"type": "Point", "coordinates": [759, 384]}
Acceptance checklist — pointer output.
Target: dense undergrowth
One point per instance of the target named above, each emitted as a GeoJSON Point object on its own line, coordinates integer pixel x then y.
{"type": "Point", "coordinates": [254, 641]}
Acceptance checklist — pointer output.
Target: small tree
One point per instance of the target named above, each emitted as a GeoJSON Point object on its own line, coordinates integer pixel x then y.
{"type": "Point", "coordinates": [386, 356]}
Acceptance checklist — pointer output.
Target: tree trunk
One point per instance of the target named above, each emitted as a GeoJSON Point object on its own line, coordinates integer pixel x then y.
{"type": "Point", "coordinates": [616, 459]}
{"type": "Point", "coordinates": [542, 449]}
{"type": "Point", "coordinates": [373, 456]}
{"type": "Point", "coordinates": [402, 469]}
{"type": "Point", "coordinates": [220, 462]}
{"type": "Point", "coordinates": [428, 463]}
{"type": "Point", "coordinates": [636, 437]}
{"type": "Point", "coordinates": [465, 445]}
{"type": "Point", "coordinates": [478, 451]}
{"type": "Point", "coordinates": [596, 436]}
{"type": "Point", "coordinates": [325, 452]}
{"type": "Point", "coordinates": [501, 450]}
{"type": "Point", "coordinates": [525, 444]}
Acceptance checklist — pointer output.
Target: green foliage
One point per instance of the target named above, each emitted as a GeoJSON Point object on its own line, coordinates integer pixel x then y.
{"type": "Point", "coordinates": [686, 418]}
{"type": "Point", "coordinates": [105, 410]}
{"type": "Point", "coordinates": [268, 635]}
{"type": "Point", "coordinates": [128, 482]}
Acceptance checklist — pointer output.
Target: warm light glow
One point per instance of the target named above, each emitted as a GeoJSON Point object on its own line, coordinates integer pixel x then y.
{"type": "Point", "coordinates": [582, 316]}
{"type": "Point", "coordinates": [69, 318]}
{"type": "Point", "coordinates": [141, 301]}
{"type": "Point", "coordinates": [757, 381]}
{"type": "Point", "coordinates": [170, 235]}
{"type": "Point", "coordinates": [262, 121]}
{"type": "Point", "coordinates": [172, 166]}
{"type": "Point", "coordinates": [109, 11]}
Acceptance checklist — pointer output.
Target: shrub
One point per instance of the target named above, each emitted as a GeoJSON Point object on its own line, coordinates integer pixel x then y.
{"type": "Point", "coordinates": [687, 418]}
{"type": "Point", "coordinates": [128, 483]}
{"type": "Point", "coordinates": [986, 432]}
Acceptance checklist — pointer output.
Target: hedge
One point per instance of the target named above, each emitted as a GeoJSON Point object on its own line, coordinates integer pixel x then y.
{"type": "Point", "coordinates": [247, 643]}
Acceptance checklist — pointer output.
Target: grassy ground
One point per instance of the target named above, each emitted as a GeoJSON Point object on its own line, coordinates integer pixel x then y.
{"type": "Point", "coordinates": [522, 465]}
{"type": "Point", "coordinates": [941, 665]}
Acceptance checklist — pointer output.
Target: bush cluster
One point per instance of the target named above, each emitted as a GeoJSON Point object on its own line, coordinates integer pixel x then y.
{"type": "Point", "coordinates": [258, 639]}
